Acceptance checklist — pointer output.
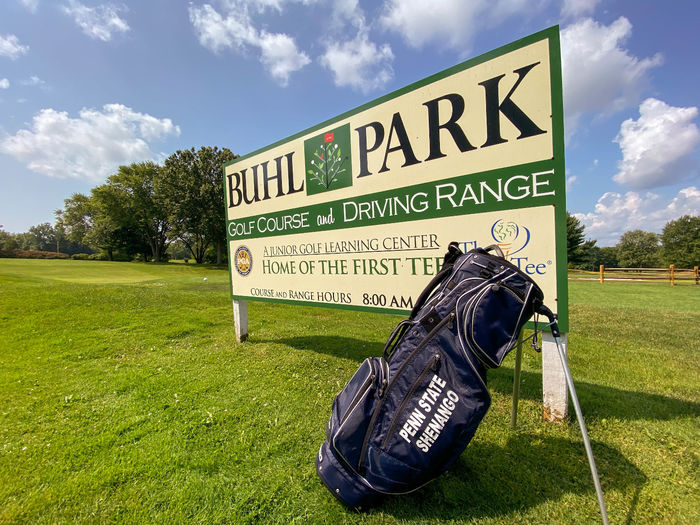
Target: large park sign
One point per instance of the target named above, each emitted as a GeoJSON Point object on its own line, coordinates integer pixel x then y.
{"type": "Point", "coordinates": [358, 211]}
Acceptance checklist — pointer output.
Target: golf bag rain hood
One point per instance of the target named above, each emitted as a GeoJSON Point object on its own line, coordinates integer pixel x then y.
{"type": "Point", "coordinates": [405, 417]}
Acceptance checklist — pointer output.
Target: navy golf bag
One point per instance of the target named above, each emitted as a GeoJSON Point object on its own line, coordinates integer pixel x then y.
{"type": "Point", "coordinates": [405, 417]}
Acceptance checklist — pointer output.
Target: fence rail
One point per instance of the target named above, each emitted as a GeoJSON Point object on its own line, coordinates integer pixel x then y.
{"type": "Point", "coordinates": [670, 274]}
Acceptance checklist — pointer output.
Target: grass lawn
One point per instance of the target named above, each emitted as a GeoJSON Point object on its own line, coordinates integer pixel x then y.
{"type": "Point", "coordinates": [124, 398]}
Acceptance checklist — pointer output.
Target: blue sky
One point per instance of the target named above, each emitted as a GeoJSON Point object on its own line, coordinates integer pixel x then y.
{"type": "Point", "coordinates": [88, 85]}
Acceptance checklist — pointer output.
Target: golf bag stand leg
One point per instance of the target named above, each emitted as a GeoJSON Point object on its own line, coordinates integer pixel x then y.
{"type": "Point", "coordinates": [577, 407]}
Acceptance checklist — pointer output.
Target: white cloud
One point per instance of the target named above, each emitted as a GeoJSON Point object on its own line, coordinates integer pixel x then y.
{"type": "Point", "coordinates": [35, 81]}
{"type": "Point", "coordinates": [278, 51]}
{"type": "Point", "coordinates": [451, 23]}
{"type": "Point", "coordinates": [576, 8]}
{"type": "Point", "coordinates": [359, 63]}
{"type": "Point", "coordinates": [599, 74]}
{"type": "Point", "coordinates": [616, 213]}
{"type": "Point", "coordinates": [346, 13]}
{"type": "Point", "coordinates": [89, 147]}
{"type": "Point", "coordinates": [656, 147]}
{"type": "Point", "coordinates": [281, 56]}
{"type": "Point", "coordinates": [11, 48]}
{"type": "Point", "coordinates": [687, 202]}
{"type": "Point", "coordinates": [31, 5]}
{"type": "Point", "coordinates": [100, 22]}
{"type": "Point", "coordinates": [263, 5]}
{"type": "Point", "coordinates": [217, 33]}
{"type": "Point", "coordinates": [347, 9]}
{"type": "Point", "coordinates": [4, 83]}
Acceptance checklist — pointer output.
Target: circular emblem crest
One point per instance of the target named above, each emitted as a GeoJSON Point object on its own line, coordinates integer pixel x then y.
{"type": "Point", "coordinates": [243, 260]}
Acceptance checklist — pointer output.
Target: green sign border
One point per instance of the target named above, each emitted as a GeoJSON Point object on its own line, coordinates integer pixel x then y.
{"type": "Point", "coordinates": [557, 163]}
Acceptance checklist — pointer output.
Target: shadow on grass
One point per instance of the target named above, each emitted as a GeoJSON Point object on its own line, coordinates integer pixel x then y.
{"type": "Point", "coordinates": [491, 480]}
{"type": "Point", "coordinates": [598, 401]}
{"type": "Point", "coordinates": [334, 345]}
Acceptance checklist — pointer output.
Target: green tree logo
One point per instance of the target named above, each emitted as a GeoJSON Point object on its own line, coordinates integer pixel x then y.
{"type": "Point", "coordinates": [328, 164]}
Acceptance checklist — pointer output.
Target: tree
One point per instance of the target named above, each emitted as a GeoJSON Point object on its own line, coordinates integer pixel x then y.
{"type": "Point", "coordinates": [192, 190]}
{"type": "Point", "coordinates": [608, 257]}
{"type": "Point", "coordinates": [89, 220]}
{"type": "Point", "coordinates": [77, 217]}
{"type": "Point", "coordinates": [578, 251]}
{"type": "Point", "coordinates": [59, 229]}
{"type": "Point", "coordinates": [140, 210]}
{"type": "Point", "coordinates": [7, 241]}
{"type": "Point", "coordinates": [638, 249]}
{"type": "Point", "coordinates": [574, 233]}
{"type": "Point", "coordinates": [680, 242]}
{"type": "Point", "coordinates": [42, 237]}
{"type": "Point", "coordinates": [23, 241]}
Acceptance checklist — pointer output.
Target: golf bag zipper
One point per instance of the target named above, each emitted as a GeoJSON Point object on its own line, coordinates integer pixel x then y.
{"type": "Point", "coordinates": [360, 393]}
{"type": "Point", "coordinates": [376, 377]}
{"type": "Point", "coordinates": [379, 406]}
{"type": "Point", "coordinates": [432, 365]}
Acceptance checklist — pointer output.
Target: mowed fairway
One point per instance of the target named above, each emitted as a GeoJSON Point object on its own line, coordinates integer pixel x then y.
{"type": "Point", "coordinates": [124, 398]}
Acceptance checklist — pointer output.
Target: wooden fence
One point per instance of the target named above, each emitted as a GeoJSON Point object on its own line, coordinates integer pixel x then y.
{"type": "Point", "coordinates": [670, 274]}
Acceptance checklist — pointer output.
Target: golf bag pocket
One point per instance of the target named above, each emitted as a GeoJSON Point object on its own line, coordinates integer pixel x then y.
{"type": "Point", "coordinates": [403, 413]}
{"type": "Point", "coordinates": [352, 409]}
{"type": "Point", "coordinates": [492, 321]}
{"type": "Point", "coordinates": [427, 418]}
{"type": "Point", "coordinates": [390, 475]}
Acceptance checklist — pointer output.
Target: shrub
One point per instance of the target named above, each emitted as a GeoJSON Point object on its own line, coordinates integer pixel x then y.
{"type": "Point", "coordinates": [97, 257]}
{"type": "Point", "coordinates": [7, 254]}
{"type": "Point", "coordinates": [39, 254]}
{"type": "Point", "coordinates": [81, 256]}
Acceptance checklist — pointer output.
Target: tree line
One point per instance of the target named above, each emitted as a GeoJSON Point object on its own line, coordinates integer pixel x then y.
{"type": "Point", "coordinates": [677, 244]}
{"type": "Point", "coordinates": [143, 211]}
{"type": "Point", "coordinates": [155, 212]}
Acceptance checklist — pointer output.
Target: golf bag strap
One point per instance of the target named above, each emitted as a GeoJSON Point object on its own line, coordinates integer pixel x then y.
{"type": "Point", "coordinates": [453, 253]}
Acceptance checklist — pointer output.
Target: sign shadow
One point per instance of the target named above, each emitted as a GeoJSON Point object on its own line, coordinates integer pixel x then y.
{"type": "Point", "coordinates": [334, 345]}
{"type": "Point", "coordinates": [600, 401]}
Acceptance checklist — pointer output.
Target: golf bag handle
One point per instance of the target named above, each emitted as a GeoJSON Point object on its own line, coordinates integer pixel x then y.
{"type": "Point", "coordinates": [453, 253]}
{"type": "Point", "coordinates": [493, 248]}
{"type": "Point", "coordinates": [395, 337]}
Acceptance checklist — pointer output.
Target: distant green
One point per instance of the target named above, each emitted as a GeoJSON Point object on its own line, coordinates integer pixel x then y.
{"type": "Point", "coordinates": [124, 398]}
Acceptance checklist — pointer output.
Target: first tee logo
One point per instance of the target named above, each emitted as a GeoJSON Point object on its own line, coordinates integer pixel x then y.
{"type": "Point", "coordinates": [510, 237]}
{"type": "Point", "coordinates": [327, 161]}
